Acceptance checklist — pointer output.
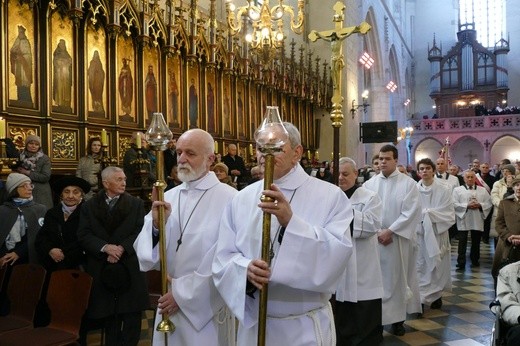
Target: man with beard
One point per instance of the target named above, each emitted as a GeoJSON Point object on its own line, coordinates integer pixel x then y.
{"type": "Point", "coordinates": [192, 213]}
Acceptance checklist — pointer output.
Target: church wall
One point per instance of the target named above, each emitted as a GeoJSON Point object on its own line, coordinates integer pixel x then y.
{"type": "Point", "coordinates": [404, 25]}
{"type": "Point", "coordinates": [431, 17]}
{"type": "Point", "coordinates": [66, 111]}
{"type": "Point", "coordinates": [513, 58]}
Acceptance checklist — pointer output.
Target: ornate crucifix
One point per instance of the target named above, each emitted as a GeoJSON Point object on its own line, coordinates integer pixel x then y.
{"type": "Point", "coordinates": [336, 37]}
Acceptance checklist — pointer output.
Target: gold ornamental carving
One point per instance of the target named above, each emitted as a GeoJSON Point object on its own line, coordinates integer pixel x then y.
{"type": "Point", "coordinates": [64, 144]}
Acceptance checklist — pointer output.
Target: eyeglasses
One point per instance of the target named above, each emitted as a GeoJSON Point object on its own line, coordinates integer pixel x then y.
{"type": "Point", "coordinates": [27, 186]}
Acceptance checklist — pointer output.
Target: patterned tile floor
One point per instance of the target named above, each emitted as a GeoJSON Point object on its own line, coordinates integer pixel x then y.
{"type": "Point", "coordinates": [464, 320]}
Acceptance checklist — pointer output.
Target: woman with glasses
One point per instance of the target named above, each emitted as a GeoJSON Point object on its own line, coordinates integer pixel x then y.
{"type": "Point", "coordinates": [57, 241]}
{"type": "Point", "coordinates": [21, 219]}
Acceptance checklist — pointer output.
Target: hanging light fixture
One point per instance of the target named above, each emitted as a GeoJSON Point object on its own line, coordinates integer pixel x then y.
{"type": "Point", "coordinates": [266, 22]}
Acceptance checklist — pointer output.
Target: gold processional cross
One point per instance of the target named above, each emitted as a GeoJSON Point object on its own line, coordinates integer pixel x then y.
{"type": "Point", "coordinates": [336, 37]}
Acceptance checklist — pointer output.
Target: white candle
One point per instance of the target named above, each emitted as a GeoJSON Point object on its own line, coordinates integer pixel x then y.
{"type": "Point", "coordinates": [138, 140]}
{"type": "Point", "coordinates": [104, 140]}
{"type": "Point", "coordinates": [2, 128]}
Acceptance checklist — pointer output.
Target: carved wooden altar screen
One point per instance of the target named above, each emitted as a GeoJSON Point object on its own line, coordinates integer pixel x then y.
{"type": "Point", "coordinates": [72, 68]}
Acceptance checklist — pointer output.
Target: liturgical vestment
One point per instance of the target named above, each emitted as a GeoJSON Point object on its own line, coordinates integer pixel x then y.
{"type": "Point", "coordinates": [401, 214]}
{"type": "Point", "coordinates": [434, 258]}
{"type": "Point", "coordinates": [314, 249]}
{"type": "Point", "coordinates": [202, 318]}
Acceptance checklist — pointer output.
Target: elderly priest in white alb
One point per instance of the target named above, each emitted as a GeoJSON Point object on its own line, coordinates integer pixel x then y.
{"type": "Point", "coordinates": [192, 213]}
{"type": "Point", "coordinates": [310, 243]}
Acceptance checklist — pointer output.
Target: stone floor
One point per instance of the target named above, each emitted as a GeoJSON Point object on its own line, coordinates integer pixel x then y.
{"type": "Point", "coordinates": [464, 320]}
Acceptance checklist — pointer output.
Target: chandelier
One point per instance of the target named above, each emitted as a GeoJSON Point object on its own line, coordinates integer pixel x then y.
{"type": "Point", "coordinates": [267, 24]}
{"type": "Point", "coordinates": [404, 133]}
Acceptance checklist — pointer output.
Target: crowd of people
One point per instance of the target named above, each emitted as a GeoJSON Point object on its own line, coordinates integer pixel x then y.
{"type": "Point", "coordinates": [338, 270]}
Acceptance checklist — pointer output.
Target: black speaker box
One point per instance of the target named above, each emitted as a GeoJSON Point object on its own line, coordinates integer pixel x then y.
{"type": "Point", "coordinates": [378, 132]}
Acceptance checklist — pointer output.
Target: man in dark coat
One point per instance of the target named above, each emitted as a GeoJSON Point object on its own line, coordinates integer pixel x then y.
{"type": "Point", "coordinates": [109, 224]}
{"type": "Point", "coordinates": [235, 163]}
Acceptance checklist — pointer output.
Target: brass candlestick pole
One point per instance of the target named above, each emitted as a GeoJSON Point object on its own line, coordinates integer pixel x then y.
{"type": "Point", "coordinates": [266, 241]}
{"type": "Point", "coordinates": [165, 325]}
{"type": "Point", "coordinates": [158, 136]}
{"type": "Point", "coordinates": [270, 138]}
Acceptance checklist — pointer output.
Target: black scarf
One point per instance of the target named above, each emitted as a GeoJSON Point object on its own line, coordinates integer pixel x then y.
{"type": "Point", "coordinates": [349, 194]}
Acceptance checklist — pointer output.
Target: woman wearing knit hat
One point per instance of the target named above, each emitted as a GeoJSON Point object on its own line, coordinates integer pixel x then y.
{"type": "Point", "coordinates": [21, 219]}
{"type": "Point", "coordinates": [37, 166]}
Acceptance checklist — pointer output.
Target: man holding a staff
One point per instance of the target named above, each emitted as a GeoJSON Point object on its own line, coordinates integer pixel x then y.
{"type": "Point", "coordinates": [192, 213]}
{"type": "Point", "coordinates": [310, 244]}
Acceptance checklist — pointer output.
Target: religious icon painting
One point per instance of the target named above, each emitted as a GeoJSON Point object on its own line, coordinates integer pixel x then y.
{"type": "Point", "coordinates": [211, 121]}
{"type": "Point", "coordinates": [151, 93]}
{"type": "Point", "coordinates": [264, 102]}
{"type": "Point", "coordinates": [227, 106]}
{"type": "Point", "coordinates": [253, 111]}
{"type": "Point", "coordinates": [284, 110]}
{"type": "Point", "coordinates": [241, 112]}
{"type": "Point", "coordinates": [95, 73]}
{"type": "Point", "coordinates": [174, 101]}
{"type": "Point", "coordinates": [21, 65]}
{"type": "Point", "coordinates": [125, 80]}
{"type": "Point", "coordinates": [316, 133]}
{"type": "Point", "coordinates": [193, 96]}
{"type": "Point", "coordinates": [61, 65]}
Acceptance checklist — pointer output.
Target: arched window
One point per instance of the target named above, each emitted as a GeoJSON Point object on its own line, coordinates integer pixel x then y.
{"type": "Point", "coordinates": [488, 17]}
{"type": "Point", "coordinates": [485, 69]}
{"type": "Point", "coordinates": [450, 73]}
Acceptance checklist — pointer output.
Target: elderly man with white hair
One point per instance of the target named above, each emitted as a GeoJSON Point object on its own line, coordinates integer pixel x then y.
{"type": "Point", "coordinates": [192, 213]}
{"type": "Point", "coordinates": [310, 244]}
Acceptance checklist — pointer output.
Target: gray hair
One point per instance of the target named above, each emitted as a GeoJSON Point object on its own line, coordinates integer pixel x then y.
{"type": "Point", "coordinates": [344, 160]}
{"type": "Point", "coordinates": [294, 134]}
{"type": "Point", "coordinates": [107, 172]}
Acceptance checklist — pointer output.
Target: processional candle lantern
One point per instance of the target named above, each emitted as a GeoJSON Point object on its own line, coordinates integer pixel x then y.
{"type": "Point", "coordinates": [158, 136]}
{"type": "Point", "coordinates": [270, 138]}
